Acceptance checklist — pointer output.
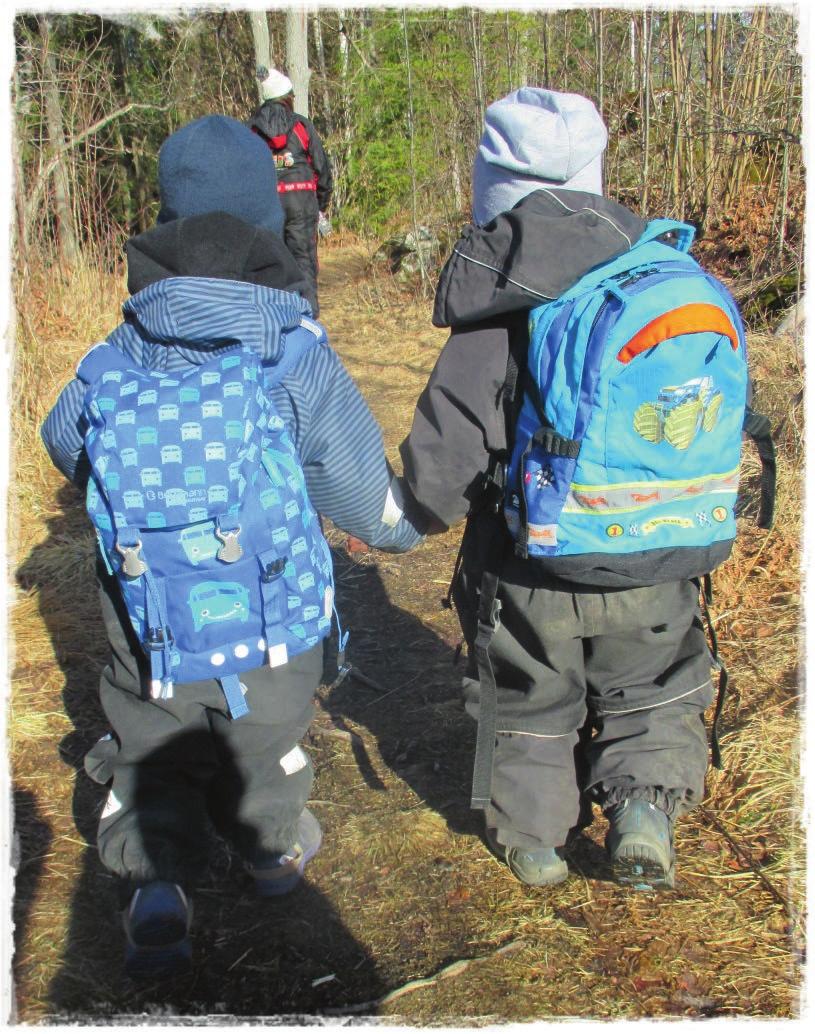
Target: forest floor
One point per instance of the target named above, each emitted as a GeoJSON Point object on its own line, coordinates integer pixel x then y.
{"type": "Point", "coordinates": [404, 916]}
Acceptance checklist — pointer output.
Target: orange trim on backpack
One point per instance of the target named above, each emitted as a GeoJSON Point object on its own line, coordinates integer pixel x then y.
{"type": "Point", "coordinates": [687, 319]}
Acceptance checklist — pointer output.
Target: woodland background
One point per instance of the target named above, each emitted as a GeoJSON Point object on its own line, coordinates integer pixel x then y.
{"type": "Point", "coordinates": [703, 110]}
{"type": "Point", "coordinates": [403, 914]}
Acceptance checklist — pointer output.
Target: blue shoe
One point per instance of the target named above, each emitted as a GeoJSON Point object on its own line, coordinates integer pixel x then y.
{"type": "Point", "coordinates": [277, 873]}
{"type": "Point", "coordinates": [536, 867]}
{"type": "Point", "coordinates": [157, 925]}
{"type": "Point", "coordinates": [640, 844]}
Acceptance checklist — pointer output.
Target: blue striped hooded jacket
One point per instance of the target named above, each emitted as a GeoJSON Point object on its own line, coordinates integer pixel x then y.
{"type": "Point", "coordinates": [179, 320]}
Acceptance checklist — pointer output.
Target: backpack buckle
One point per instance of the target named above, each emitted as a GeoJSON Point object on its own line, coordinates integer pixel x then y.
{"type": "Point", "coordinates": [273, 570]}
{"type": "Point", "coordinates": [132, 564]}
{"type": "Point", "coordinates": [231, 549]}
{"type": "Point", "coordinates": [157, 638]}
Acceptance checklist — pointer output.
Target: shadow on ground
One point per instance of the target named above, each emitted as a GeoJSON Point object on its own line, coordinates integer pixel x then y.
{"type": "Point", "coordinates": [289, 957]}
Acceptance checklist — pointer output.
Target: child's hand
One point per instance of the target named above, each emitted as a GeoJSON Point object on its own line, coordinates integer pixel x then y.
{"type": "Point", "coordinates": [355, 545]}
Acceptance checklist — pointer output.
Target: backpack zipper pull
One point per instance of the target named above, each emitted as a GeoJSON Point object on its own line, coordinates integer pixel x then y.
{"type": "Point", "coordinates": [132, 564]}
{"type": "Point", "coordinates": [231, 549]}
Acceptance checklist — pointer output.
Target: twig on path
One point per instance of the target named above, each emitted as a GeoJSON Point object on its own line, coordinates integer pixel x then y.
{"type": "Point", "coordinates": [334, 733]}
{"type": "Point", "coordinates": [451, 970]}
{"type": "Point", "coordinates": [355, 673]}
{"type": "Point", "coordinates": [747, 859]}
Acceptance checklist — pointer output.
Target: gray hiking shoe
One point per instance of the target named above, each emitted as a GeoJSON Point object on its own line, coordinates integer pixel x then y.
{"type": "Point", "coordinates": [536, 867]}
{"type": "Point", "coordinates": [640, 844]}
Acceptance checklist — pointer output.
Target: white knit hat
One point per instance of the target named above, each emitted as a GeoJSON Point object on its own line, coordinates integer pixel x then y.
{"type": "Point", "coordinates": [534, 138]}
{"type": "Point", "coordinates": [276, 85]}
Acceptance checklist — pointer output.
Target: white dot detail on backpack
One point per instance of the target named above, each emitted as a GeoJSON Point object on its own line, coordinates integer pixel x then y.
{"type": "Point", "coordinates": [217, 659]}
{"type": "Point", "coordinates": [241, 650]}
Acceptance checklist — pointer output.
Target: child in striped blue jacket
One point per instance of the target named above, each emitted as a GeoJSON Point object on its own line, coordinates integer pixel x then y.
{"type": "Point", "coordinates": [214, 270]}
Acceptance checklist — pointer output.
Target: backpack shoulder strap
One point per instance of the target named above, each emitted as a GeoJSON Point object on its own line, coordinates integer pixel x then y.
{"type": "Point", "coordinates": [300, 132]}
{"type": "Point", "coordinates": [680, 235]}
{"type": "Point", "coordinates": [757, 428]}
{"type": "Point", "coordinates": [296, 342]}
{"type": "Point", "coordinates": [98, 360]}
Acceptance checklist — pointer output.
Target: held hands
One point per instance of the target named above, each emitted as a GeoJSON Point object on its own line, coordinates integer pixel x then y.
{"type": "Point", "coordinates": [323, 225]}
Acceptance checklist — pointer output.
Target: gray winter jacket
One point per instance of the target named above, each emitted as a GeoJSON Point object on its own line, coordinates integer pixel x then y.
{"type": "Point", "coordinates": [487, 288]}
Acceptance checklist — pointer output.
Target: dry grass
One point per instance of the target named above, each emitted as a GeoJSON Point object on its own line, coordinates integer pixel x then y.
{"type": "Point", "coordinates": [403, 886]}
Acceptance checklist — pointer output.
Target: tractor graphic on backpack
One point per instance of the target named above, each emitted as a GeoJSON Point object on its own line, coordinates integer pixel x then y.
{"type": "Point", "coordinates": [679, 413]}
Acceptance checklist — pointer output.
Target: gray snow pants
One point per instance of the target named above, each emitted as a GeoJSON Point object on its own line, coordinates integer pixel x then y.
{"type": "Point", "coordinates": [180, 768]}
{"type": "Point", "coordinates": [600, 694]}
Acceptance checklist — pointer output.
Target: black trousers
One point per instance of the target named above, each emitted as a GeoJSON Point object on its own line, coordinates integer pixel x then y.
{"type": "Point", "coordinates": [180, 768]}
{"type": "Point", "coordinates": [599, 693]}
{"type": "Point", "coordinates": [300, 235]}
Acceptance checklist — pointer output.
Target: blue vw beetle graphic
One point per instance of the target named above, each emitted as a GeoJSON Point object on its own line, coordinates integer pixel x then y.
{"type": "Point", "coordinates": [213, 602]}
{"type": "Point", "coordinates": [146, 436]}
{"type": "Point", "coordinates": [199, 543]}
{"type": "Point", "coordinates": [190, 430]}
{"type": "Point", "coordinates": [168, 411]}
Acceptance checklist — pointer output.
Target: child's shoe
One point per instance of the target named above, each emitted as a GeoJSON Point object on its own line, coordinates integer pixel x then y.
{"type": "Point", "coordinates": [277, 873]}
{"type": "Point", "coordinates": [536, 867]}
{"type": "Point", "coordinates": [157, 925]}
{"type": "Point", "coordinates": [640, 844]}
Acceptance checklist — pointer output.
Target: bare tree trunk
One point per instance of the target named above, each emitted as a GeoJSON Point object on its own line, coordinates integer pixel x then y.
{"type": "Point", "coordinates": [679, 107]}
{"type": "Point", "coordinates": [66, 227]}
{"type": "Point", "coordinates": [317, 30]}
{"type": "Point", "coordinates": [297, 56]}
{"type": "Point", "coordinates": [707, 140]}
{"type": "Point", "coordinates": [547, 31]}
{"type": "Point", "coordinates": [632, 38]}
{"type": "Point", "coordinates": [263, 48]}
{"type": "Point", "coordinates": [412, 137]}
{"type": "Point", "coordinates": [597, 17]}
{"type": "Point", "coordinates": [478, 65]}
{"type": "Point", "coordinates": [508, 44]}
{"type": "Point", "coordinates": [647, 27]}
{"type": "Point", "coordinates": [21, 228]}
{"type": "Point", "coordinates": [344, 114]}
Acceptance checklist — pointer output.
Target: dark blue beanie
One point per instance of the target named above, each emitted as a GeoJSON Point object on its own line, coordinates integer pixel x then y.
{"type": "Point", "coordinates": [217, 164]}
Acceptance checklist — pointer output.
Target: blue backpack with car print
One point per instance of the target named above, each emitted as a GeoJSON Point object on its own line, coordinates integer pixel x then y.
{"type": "Point", "coordinates": [627, 443]}
{"type": "Point", "coordinates": [200, 507]}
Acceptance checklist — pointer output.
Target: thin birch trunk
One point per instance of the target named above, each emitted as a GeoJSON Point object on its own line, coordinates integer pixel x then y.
{"type": "Point", "coordinates": [412, 138]}
{"type": "Point", "coordinates": [297, 56]}
{"type": "Point", "coordinates": [478, 65]}
{"type": "Point", "coordinates": [320, 48]}
{"type": "Point", "coordinates": [65, 224]}
{"type": "Point", "coordinates": [263, 49]}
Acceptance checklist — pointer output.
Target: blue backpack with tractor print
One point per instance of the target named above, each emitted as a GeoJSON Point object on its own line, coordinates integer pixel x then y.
{"type": "Point", "coordinates": [625, 464]}
{"type": "Point", "coordinates": [200, 507]}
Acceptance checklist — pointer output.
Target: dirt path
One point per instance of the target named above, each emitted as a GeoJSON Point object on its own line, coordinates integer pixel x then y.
{"type": "Point", "coordinates": [403, 888]}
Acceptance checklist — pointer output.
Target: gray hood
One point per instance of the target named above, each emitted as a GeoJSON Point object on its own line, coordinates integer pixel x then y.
{"type": "Point", "coordinates": [531, 254]}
